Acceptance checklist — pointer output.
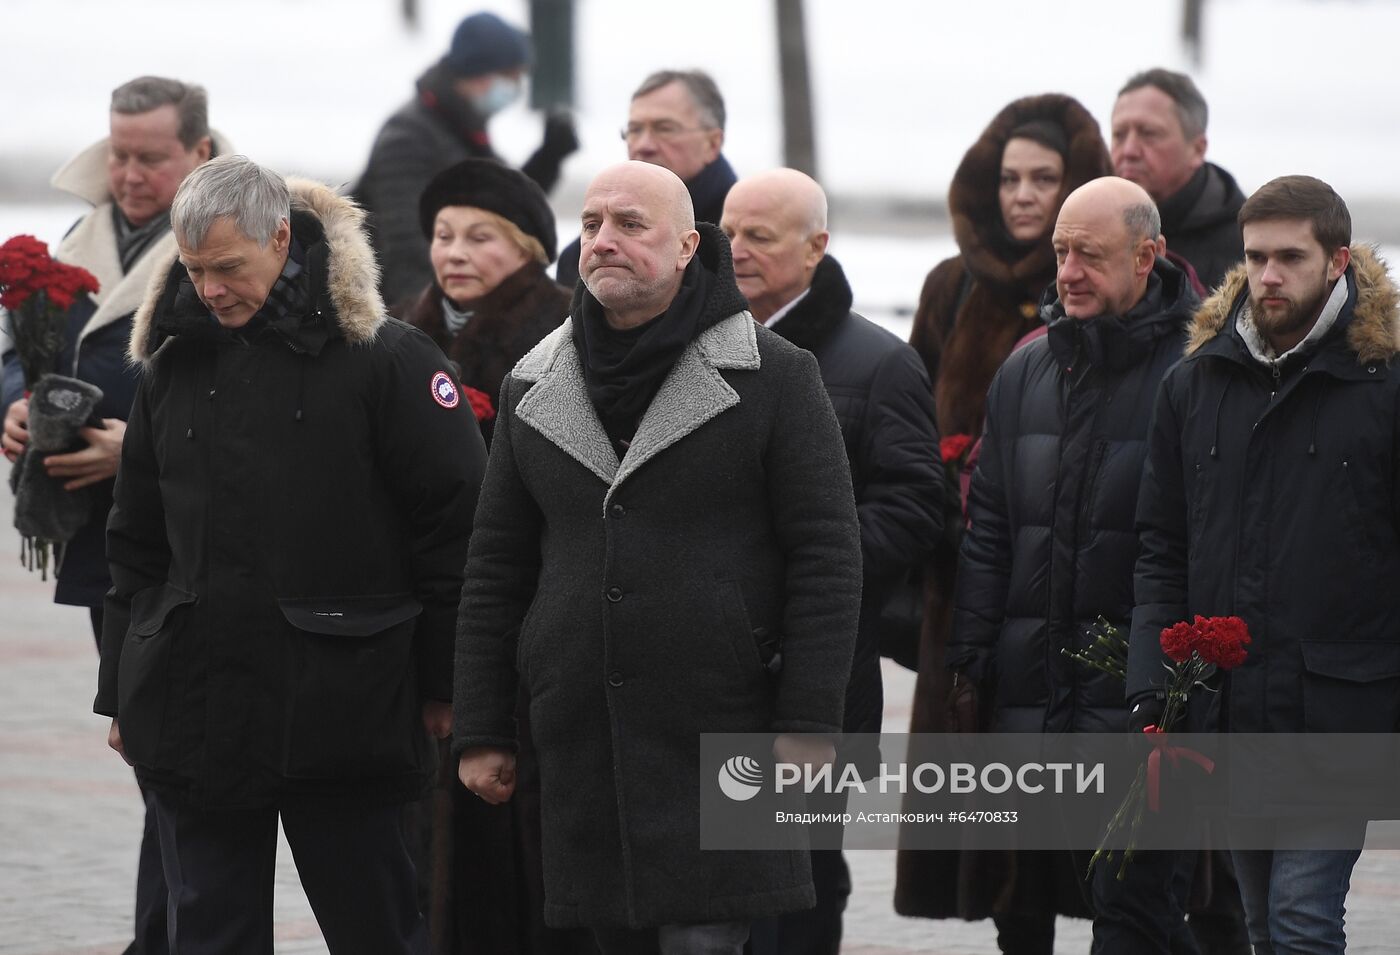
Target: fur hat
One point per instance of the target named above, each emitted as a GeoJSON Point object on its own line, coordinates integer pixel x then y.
{"type": "Point", "coordinates": [484, 43]}
{"type": "Point", "coordinates": [495, 187]}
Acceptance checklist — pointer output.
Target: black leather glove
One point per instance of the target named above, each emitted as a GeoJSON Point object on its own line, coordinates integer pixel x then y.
{"type": "Point", "coordinates": [1146, 710]}
{"type": "Point", "coordinates": [560, 138]}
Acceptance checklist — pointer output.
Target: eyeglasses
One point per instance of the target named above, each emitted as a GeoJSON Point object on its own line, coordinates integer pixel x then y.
{"type": "Point", "coordinates": [664, 130]}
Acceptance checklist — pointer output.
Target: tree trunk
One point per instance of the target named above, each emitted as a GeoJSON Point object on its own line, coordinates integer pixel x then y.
{"type": "Point", "coordinates": [799, 133]}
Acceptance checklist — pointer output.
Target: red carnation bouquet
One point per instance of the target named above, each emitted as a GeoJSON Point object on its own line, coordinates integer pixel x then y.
{"type": "Point", "coordinates": [1196, 650]}
{"type": "Point", "coordinates": [36, 290]}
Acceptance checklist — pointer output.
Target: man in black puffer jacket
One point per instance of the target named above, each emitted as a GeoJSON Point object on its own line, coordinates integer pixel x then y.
{"type": "Point", "coordinates": [1051, 545]}
{"type": "Point", "coordinates": [776, 223]}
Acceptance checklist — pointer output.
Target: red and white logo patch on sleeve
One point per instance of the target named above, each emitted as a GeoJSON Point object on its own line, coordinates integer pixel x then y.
{"type": "Point", "coordinates": [445, 390]}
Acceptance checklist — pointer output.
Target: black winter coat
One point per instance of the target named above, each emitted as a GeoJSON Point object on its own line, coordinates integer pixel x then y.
{"type": "Point", "coordinates": [631, 598]}
{"type": "Point", "coordinates": [1277, 500]}
{"type": "Point", "coordinates": [1201, 224]}
{"type": "Point", "coordinates": [291, 520]}
{"type": "Point", "coordinates": [707, 194]}
{"type": "Point", "coordinates": [884, 404]}
{"type": "Point", "coordinates": [1052, 545]}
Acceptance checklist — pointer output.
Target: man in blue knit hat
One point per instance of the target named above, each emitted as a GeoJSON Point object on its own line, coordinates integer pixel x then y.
{"type": "Point", "coordinates": [481, 74]}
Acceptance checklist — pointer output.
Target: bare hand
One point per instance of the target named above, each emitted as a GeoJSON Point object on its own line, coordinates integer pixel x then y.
{"type": "Point", "coordinates": [97, 462]}
{"type": "Point", "coordinates": [16, 434]}
{"type": "Point", "coordinates": [804, 750]}
{"type": "Point", "coordinates": [489, 772]}
{"type": "Point", "coordinates": [114, 740]}
{"type": "Point", "coordinates": [437, 719]}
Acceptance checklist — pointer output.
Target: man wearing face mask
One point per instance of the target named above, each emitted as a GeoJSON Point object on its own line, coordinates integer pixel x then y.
{"type": "Point", "coordinates": [481, 74]}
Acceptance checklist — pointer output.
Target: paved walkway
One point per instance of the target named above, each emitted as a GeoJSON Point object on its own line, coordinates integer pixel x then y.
{"type": "Point", "coordinates": [70, 816]}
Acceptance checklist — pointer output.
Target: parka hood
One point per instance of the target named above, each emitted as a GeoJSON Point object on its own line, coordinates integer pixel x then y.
{"type": "Point", "coordinates": [332, 226]}
{"type": "Point", "coordinates": [973, 202]}
{"type": "Point", "coordinates": [1373, 334]}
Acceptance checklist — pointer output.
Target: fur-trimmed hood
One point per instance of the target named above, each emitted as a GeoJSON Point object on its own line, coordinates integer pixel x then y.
{"type": "Point", "coordinates": [1373, 334]}
{"type": "Point", "coordinates": [344, 273]}
{"type": "Point", "coordinates": [988, 251]}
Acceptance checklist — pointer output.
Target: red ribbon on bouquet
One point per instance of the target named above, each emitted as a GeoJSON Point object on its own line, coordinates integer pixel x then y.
{"type": "Point", "coordinates": [1175, 754]}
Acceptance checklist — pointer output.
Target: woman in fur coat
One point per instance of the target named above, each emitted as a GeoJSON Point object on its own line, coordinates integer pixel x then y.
{"type": "Point", "coordinates": [972, 311]}
{"type": "Point", "coordinates": [491, 235]}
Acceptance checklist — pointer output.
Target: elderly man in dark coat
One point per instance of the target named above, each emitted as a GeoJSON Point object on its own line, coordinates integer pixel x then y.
{"type": "Point", "coordinates": [1159, 142]}
{"type": "Point", "coordinates": [1051, 545]}
{"type": "Point", "coordinates": [676, 120]}
{"type": "Point", "coordinates": [296, 491]}
{"type": "Point", "coordinates": [776, 225]}
{"type": "Point", "coordinates": [667, 546]}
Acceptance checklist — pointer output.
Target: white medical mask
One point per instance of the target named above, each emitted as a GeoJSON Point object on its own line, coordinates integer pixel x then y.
{"type": "Point", "coordinates": [501, 93]}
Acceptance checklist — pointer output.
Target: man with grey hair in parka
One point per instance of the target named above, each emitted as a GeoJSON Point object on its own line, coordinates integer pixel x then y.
{"type": "Point", "coordinates": [291, 520]}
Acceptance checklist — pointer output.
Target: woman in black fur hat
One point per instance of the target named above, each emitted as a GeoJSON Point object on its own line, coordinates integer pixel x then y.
{"type": "Point", "coordinates": [491, 235]}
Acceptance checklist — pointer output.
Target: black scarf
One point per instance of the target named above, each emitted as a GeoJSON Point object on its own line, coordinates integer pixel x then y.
{"type": "Point", "coordinates": [134, 240]}
{"type": "Point", "coordinates": [624, 368]}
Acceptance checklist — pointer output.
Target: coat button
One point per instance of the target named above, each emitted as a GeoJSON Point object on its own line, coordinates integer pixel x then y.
{"type": "Point", "coordinates": [618, 510]}
{"type": "Point", "coordinates": [615, 678]}
{"type": "Point", "coordinates": [615, 594]}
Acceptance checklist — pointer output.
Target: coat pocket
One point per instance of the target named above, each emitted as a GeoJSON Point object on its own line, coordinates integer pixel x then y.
{"type": "Point", "coordinates": [143, 672]}
{"type": "Point", "coordinates": [352, 704]}
{"type": "Point", "coordinates": [1351, 686]}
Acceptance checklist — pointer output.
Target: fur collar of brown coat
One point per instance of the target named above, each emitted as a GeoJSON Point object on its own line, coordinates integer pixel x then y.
{"type": "Point", "coordinates": [352, 275]}
{"type": "Point", "coordinates": [973, 201]}
{"type": "Point", "coordinates": [1374, 331]}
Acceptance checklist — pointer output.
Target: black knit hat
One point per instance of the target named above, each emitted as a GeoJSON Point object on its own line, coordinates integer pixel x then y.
{"type": "Point", "coordinates": [495, 187]}
{"type": "Point", "coordinates": [484, 43]}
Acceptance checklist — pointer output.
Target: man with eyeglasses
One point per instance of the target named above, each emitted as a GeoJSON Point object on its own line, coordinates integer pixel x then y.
{"type": "Point", "coordinates": [676, 120]}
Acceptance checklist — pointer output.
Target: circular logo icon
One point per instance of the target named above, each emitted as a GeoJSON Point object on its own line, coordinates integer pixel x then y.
{"type": "Point", "coordinates": [444, 390]}
{"type": "Point", "coordinates": [740, 778]}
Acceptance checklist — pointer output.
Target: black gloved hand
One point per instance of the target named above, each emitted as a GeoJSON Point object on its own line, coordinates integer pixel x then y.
{"type": "Point", "coordinates": [1146, 710]}
{"type": "Point", "coordinates": [560, 137]}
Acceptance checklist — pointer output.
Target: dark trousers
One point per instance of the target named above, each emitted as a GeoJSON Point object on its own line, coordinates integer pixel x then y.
{"type": "Point", "coordinates": [150, 930]}
{"type": "Point", "coordinates": [220, 865]}
{"type": "Point", "coordinates": [815, 931]}
{"type": "Point", "coordinates": [1144, 913]}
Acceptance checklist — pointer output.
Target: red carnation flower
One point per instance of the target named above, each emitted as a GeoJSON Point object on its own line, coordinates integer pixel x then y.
{"type": "Point", "coordinates": [954, 446]}
{"type": "Point", "coordinates": [1177, 641]}
{"type": "Point", "coordinates": [481, 404]}
{"type": "Point", "coordinates": [1222, 641]}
